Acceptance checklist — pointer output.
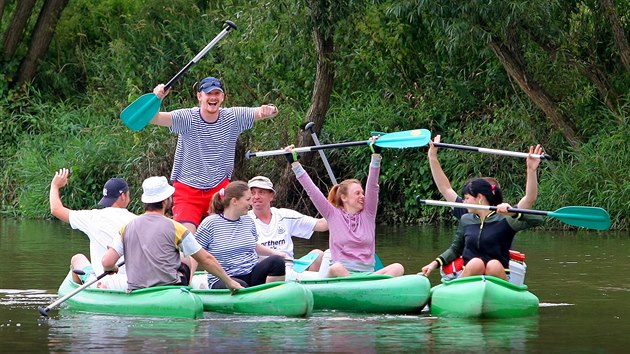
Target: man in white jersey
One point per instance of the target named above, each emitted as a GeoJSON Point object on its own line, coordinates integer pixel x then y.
{"type": "Point", "coordinates": [275, 227]}
{"type": "Point", "coordinates": [206, 144]}
{"type": "Point", "coordinates": [100, 225]}
{"type": "Point", "coordinates": [157, 248]}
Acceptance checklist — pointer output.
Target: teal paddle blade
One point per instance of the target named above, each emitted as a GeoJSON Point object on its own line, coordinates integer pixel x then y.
{"type": "Point", "coordinates": [378, 264]}
{"type": "Point", "coordinates": [301, 264]}
{"type": "Point", "coordinates": [588, 217]}
{"type": "Point", "coordinates": [140, 112]}
{"type": "Point", "coordinates": [405, 139]}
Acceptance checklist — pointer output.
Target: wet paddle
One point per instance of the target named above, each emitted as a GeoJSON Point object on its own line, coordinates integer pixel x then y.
{"type": "Point", "coordinates": [44, 310]}
{"type": "Point", "coordinates": [397, 140]}
{"type": "Point", "coordinates": [140, 112]}
{"type": "Point", "coordinates": [301, 264]}
{"type": "Point", "coordinates": [582, 216]}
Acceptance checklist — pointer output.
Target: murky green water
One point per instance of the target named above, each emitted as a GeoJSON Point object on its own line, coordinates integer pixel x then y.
{"type": "Point", "coordinates": [582, 280]}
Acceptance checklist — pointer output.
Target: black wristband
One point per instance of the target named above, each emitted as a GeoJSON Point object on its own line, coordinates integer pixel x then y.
{"type": "Point", "coordinates": [291, 157]}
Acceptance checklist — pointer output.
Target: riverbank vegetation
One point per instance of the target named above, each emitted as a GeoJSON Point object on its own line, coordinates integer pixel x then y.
{"type": "Point", "coordinates": [503, 75]}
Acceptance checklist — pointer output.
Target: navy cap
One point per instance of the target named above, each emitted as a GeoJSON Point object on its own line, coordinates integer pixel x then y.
{"type": "Point", "coordinates": [114, 187]}
{"type": "Point", "coordinates": [210, 83]}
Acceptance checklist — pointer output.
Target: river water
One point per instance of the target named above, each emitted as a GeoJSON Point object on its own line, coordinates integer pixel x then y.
{"type": "Point", "coordinates": [582, 279]}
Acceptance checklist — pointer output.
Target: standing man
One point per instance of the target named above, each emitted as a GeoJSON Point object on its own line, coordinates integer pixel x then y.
{"type": "Point", "coordinates": [100, 225]}
{"type": "Point", "coordinates": [152, 243]}
{"type": "Point", "coordinates": [275, 226]}
{"type": "Point", "coordinates": [206, 144]}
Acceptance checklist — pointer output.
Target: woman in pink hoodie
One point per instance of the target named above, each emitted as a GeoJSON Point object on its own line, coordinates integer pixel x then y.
{"type": "Point", "coordinates": [351, 216]}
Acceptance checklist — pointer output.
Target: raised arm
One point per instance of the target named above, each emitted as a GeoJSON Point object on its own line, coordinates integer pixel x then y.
{"type": "Point", "coordinates": [439, 177]}
{"type": "Point", "coordinates": [164, 119]}
{"type": "Point", "coordinates": [56, 206]}
{"type": "Point", "coordinates": [531, 184]}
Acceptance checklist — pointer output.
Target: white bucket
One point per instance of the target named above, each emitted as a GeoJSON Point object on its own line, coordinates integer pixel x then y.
{"type": "Point", "coordinates": [517, 272]}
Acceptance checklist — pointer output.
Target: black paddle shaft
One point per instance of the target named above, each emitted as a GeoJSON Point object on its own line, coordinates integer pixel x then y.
{"type": "Point", "coordinates": [229, 27]}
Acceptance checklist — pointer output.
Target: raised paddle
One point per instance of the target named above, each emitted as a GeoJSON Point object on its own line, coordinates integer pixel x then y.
{"type": "Point", "coordinates": [140, 112]}
{"type": "Point", "coordinates": [397, 140]}
{"type": "Point", "coordinates": [493, 151]}
{"type": "Point", "coordinates": [582, 216]}
{"type": "Point", "coordinates": [44, 310]}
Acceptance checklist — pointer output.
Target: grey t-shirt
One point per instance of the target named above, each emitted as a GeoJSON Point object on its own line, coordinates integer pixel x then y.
{"type": "Point", "coordinates": [151, 244]}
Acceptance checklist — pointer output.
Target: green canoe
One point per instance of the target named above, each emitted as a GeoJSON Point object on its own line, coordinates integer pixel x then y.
{"type": "Point", "coordinates": [159, 301]}
{"type": "Point", "coordinates": [370, 293]}
{"type": "Point", "coordinates": [482, 296]}
{"type": "Point", "coordinates": [271, 299]}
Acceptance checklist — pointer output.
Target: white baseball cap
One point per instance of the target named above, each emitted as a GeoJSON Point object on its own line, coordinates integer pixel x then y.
{"type": "Point", "coordinates": [156, 189]}
{"type": "Point", "coordinates": [261, 182]}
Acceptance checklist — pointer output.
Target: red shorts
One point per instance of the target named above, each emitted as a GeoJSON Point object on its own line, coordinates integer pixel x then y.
{"type": "Point", "coordinates": [190, 204]}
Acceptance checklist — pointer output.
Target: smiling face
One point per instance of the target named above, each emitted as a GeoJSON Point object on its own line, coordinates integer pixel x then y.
{"type": "Point", "coordinates": [261, 199]}
{"type": "Point", "coordinates": [242, 205]}
{"type": "Point", "coordinates": [353, 199]}
{"type": "Point", "coordinates": [210, 102]}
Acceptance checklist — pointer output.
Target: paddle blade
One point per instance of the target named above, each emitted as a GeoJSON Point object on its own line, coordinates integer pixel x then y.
{"type": "Point", "coordinates": [300, 265]}
{"type": "Point", "coordinates": [140, 112]}
{"type": "Point", "coordinates": [405, 139]}
{"type": "Point", "coordinates": [588, 217]}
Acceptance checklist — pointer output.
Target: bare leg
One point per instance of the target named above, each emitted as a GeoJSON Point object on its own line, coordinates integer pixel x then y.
{"type": "Point", "coordinates": [474, 267]}
{"type": "Point", "coordinates": [495, 268]}
{"type": "Point", "coordinates": [337, 270]}
{"type": "Point", "coordinates": [318, 262]}
{"type": "Point", "coordinates": [394, 269]}
{"type": "Point", "coordinates": [272, 278]}
{"type": "Point", "coordinates": [191, 227]}
{"type": "Point", "coordinates": [78, 261]}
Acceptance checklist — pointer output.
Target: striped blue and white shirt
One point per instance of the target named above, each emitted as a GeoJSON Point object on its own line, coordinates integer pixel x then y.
{"type": "Point", "coordinates": [205, 151]}
{"type": "Point", "coordinates": [231, 242]}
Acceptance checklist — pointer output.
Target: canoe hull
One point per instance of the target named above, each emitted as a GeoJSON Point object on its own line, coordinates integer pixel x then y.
{"type": "Point", "coordinates": [371, 293]}
{"type": "Point", "coordinates": [271, 299]}
{"type": "Point", "coordinates": [482, 296]}
{"type": "Point", "coordinates": [159, 301]}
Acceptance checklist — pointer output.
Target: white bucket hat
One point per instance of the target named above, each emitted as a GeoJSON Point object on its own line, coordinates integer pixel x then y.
{"type": "Point", "coordinates": [261, 182]}
{"type": "Point", "coordinates": [156, 189]}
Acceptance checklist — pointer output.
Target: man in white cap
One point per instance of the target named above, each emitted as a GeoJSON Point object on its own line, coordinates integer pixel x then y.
{"type": "Point", "coordinates": [152, 243]}
{"type": "Point", "coordinates": [206, 144]}
{"type": "Point", "coordinates": [275, 226]}
{"type": "Point", "coordinates": [100, 225]}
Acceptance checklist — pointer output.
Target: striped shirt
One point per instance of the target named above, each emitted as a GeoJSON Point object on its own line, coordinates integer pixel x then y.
{"type": "Point", "coordinates": [231, 242]}
{"type": "Point", "coordinates": [205, 151]}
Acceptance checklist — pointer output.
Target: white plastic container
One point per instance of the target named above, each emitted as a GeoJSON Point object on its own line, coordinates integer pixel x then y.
{"type": "Point", "coordinates": [518, 268]}
{"type": "Point", "coordinates": [323, 269]}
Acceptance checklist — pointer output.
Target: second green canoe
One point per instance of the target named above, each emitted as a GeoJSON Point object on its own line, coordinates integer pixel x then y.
{"type": "Point", "coordinates": [271, 299]}
{"type": "Point", "coordinates": [370, 293]}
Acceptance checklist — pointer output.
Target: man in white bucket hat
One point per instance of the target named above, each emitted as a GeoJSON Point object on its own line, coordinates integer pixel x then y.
{"type": "Point", "coordinates": [152, 243]}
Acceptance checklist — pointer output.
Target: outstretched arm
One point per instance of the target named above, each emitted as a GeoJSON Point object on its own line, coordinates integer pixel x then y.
{"type": "Point", "coordinates": [56, 206]}
{"type": "Point", "coordinates": [531, 185]}
{"type": "Point", "coordinates": [266, 111]}
{"type": "Point", "coordinates": [212, 266]}
{"type": "Point", "coordinates": [439, 177]}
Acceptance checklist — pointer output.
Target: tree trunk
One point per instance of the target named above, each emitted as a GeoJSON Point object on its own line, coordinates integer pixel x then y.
{"type": "Point", "coordinates": [15, 31]}
{"type": "Point", "coordinates": [3, 3]}
{"type": "Point", "coordinates": [41, 38]}
{"type": "Point", "coordinates": [617, 29]}
{"type": "Point", "coordinates": [320, 100]}
{"type": "Point", "coordinates": [511, 61]}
